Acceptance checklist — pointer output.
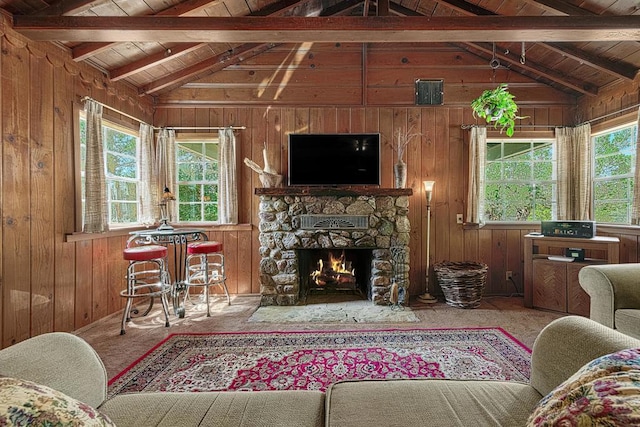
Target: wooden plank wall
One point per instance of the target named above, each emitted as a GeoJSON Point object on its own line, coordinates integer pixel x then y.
{"type": "Point", "coordinates": [46, 285]}
{"type": "Point", "coordinates": [51, 282]}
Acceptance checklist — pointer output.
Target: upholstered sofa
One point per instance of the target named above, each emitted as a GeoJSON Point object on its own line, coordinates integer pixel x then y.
{"type": "Point", "coordinates": [614, 290]}
{"type": "Point", "coordinates": [69, 365]}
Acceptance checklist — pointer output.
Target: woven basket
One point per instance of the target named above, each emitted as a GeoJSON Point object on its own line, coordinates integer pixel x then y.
{"type": "Point", "coordinates": [461, 282]}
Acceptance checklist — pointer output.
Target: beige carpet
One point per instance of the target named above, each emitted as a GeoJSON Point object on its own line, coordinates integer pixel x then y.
{"type": "Point", "coordinates": [358, 311]}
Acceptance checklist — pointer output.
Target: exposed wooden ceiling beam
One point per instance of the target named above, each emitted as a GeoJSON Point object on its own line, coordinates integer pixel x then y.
{"type": "Point", "coordinates": [382, 7]}
{"type": "Point", "coordinates": [153, 60]}
{"type": "Point", "coordinates": [233, 57]}
{"type": "Point", "coordinates": [87, 50]}
{"type": "Point", "coordinates": [537, 69]}
{"type": "Point", "coordinates": [618, 69]}
{"type": "Point", "coordinates": [467, 8]}
{"type": "Point", "coordinates": [344, 7]}
{"type": "Point", "coordinates": [281, 8]}
{"type": "Point", "coordinates": [208, 66]}
{"type": "Point", "coordinates": [329, 29]}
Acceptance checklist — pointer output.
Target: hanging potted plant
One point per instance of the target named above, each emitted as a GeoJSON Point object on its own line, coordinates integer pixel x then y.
{"type": "Point", "coordinates": [497, 106]}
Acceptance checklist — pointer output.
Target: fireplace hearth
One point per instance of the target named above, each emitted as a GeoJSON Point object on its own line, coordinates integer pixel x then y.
{"type": "Point", "coordinates": [295, 223]}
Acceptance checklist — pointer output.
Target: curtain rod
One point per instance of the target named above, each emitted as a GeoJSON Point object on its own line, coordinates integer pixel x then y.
{"type": "Point", "coordinates": [203, 127]}
{"type": "Point", "coordinates": [467, 126]}
{"type": "Point", "coordinates": [86, 98]}
{"type": "Point", "coordinates": [595, 119]}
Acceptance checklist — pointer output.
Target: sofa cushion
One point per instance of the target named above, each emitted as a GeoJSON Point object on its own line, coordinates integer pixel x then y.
{"type": "Point", "coordinates": [218, 409]}
{"type": "Point", "coordinates": [605, 391]}
{"type": "Point", "coordinates": [24, 403]}
{"type": "Point", "coordinates": [628, 321]}
{"type": "Point", "coordinates": [429, 402]}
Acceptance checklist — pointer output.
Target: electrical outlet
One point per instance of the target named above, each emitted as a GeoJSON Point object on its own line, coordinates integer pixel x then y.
{"type": "Point", "coordinates": [508, 275]}
{"type": "Point", "coordinates": [459, 218]}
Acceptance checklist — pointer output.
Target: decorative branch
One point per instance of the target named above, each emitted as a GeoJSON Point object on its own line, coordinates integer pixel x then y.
{"type": "Point", "coordinates": [402, 140]}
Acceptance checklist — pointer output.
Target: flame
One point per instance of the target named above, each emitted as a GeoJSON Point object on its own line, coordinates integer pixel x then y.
{"type": "Point", "coordinates": [335, 266]}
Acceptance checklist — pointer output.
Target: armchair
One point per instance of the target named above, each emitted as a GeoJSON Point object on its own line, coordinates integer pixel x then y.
{"type": "Point", "coordinates": [615, 295]}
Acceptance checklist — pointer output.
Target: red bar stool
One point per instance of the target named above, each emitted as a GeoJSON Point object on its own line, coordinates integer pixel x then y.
{"type": "Point", "coordinates": [205, 268]}
{"type": "Point", "coordinates": [147, 277]}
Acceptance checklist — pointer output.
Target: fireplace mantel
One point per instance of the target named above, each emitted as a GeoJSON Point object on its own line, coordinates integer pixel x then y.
{"type": "Point", "coordinates": [333, 191]}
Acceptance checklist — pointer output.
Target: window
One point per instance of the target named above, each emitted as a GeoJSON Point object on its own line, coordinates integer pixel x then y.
{"type": "Point", "coordinates": [614, 168]}
{"type": "Point", "coordinates": [520, 180]}
{"type": "Point", "coordinates": [197, 175]}
{"type": "Point", "coordinates": [122, 171]}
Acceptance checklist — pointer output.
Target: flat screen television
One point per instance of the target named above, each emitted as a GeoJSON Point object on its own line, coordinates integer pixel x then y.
{"type": "Point", "coordinates": [334, 159]}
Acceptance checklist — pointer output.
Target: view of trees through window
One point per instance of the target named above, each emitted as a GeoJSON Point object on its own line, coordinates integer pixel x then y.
{"type": "Point", "coordinates": [520, 180]}
{"type": "Point", "coordinates": [121, 171]}
{"type": "Point", "coordinates": [197, 175]}
{"type": "Point", "coordinates": [615, 158]}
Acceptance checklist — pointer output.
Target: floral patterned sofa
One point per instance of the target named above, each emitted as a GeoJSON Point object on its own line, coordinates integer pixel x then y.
{"type": "Point", "coordinates": [58, 379]}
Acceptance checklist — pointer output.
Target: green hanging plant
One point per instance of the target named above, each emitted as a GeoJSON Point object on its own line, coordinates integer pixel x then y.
{"type": "Point", "coordinates": [497, 106]}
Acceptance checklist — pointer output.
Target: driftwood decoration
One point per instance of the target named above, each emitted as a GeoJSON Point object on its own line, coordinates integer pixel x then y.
{"type": "Point", "coordinates": [268, 175]}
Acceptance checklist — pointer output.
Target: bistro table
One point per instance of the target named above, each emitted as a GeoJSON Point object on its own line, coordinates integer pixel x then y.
{"type": "Point", "coordinates": [178, 239]}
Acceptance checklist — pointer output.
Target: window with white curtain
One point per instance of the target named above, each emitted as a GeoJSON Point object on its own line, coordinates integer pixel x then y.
{"type": "Point", "coordinates": [122, 171]}
{"type": "Point", "coordinates": [614, 161]}
{"type": "Point", "coordinates": [520, 180]}
{"type": "Point", "coordinates": [197, 174]}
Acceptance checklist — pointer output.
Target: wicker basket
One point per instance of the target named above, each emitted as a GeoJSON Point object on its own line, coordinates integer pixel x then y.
{"type": "Point", "coordinates": [461, 282]}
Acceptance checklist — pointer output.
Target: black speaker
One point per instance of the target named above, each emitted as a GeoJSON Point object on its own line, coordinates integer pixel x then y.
{"type": "Point", "coordinates": [429, 92]}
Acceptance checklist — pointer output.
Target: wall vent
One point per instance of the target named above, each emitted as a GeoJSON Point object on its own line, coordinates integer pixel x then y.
{"type": "Point", "coordinates": [334, 222]}
{"type": "Point", "coordinates": [429, 92]}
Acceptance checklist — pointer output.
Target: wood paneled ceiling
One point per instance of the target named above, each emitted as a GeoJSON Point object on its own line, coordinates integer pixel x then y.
{"type": "Point", "coordinates": [577, 46]}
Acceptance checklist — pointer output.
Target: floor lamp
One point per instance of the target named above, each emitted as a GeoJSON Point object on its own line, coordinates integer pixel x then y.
{"type": "Point", "coordinates": [428, 190]}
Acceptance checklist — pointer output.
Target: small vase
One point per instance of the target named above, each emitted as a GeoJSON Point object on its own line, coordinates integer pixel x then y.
{"type": "Point", "coordinates": [400, 174]}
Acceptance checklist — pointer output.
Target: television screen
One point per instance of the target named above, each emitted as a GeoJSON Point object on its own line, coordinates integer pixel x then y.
{"type": "Point", "coordinates": [334, 159]}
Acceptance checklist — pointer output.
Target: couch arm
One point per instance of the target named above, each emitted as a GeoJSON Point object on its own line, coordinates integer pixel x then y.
{"type": "Point", "coordinates": [611, 287]}
{"type": "Point", "coordinates": [568, 343]}
{"type": "Point", "coordinates": [61, 361]}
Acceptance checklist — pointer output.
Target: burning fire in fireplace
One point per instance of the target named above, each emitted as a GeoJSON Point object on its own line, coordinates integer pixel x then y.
{"type": "Point", "coordinates": [337, 273]}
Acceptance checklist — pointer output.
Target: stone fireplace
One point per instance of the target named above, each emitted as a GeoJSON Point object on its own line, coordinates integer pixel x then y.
{"type": "Point", "coordinates": [293, 220]}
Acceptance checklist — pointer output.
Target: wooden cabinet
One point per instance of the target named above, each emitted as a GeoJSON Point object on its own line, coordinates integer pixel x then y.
{"type": "Point", "coordinates": [553, 285]}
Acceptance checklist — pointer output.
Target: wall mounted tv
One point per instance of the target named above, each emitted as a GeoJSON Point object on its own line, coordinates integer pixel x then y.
{"type": "Point", "coordinates": [334, 159]}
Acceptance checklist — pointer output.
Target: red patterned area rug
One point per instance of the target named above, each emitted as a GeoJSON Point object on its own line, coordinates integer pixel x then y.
{"type": "Point", "coordinates": [255, 361]}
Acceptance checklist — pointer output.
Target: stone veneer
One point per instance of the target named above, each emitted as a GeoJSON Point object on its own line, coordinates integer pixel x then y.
{"type": "Point", "coordinates": [386, 231]}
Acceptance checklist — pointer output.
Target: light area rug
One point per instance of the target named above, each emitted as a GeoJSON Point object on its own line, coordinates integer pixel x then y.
{"type": "Point", "coordinates": [256, 361]}
{"type": "Point", "coordinates": [361, 311]}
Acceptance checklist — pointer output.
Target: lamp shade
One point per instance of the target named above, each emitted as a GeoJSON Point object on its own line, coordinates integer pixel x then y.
{"type": "Point", "coordinates": [428, 186]}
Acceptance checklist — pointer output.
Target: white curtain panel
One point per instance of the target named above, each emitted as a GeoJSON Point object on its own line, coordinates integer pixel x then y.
{"type": "Point", "coordinates": [575, 171]}
{"type": "Point", "coordinates": [477, 157]}
{"type": "Point", "coordinates": [227, 186]}
{"type": "Point", "coordinates": [96, 214]}
{"type": "Point", "coordinates": [148, 190]}
{"type": "Point", "coordinates": [635, 207]}
{"type": "Point", "coordinates": [166, 167]}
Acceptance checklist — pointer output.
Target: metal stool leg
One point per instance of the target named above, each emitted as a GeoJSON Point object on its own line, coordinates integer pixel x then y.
{"type": "Point", "coordinates": [165, 283]}
{"type": "Point", "coordinates": [206, 286]}
{"type": "Point", "coordinates": [151, 275]}
{"type": "Point", "coordinates": [127, 308]}
{"type": "Point", "coordinates": [224, 279]}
